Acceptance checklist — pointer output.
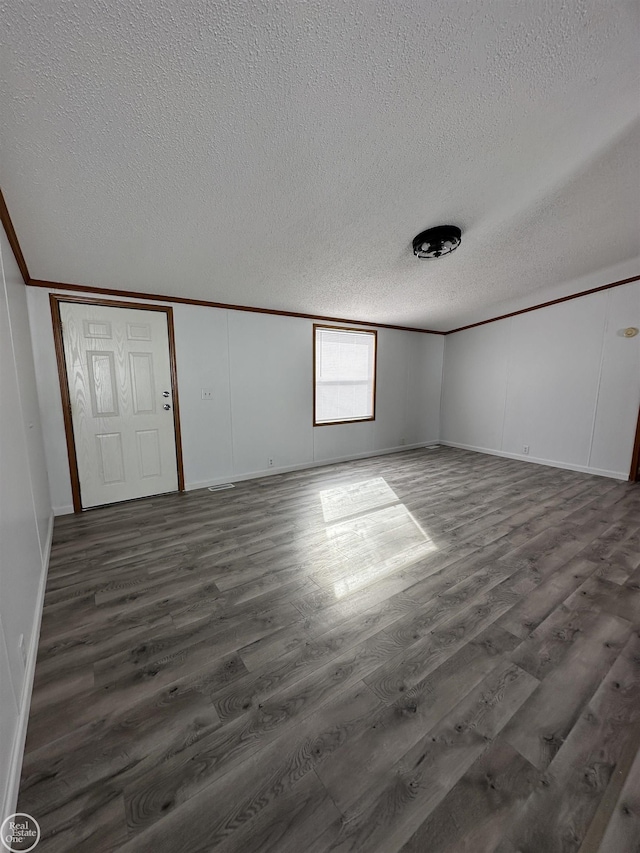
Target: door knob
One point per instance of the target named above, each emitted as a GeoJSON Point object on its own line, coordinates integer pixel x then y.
{"type": "Point", "coordinates": [165, 393]}
{"type": "Point", "coordinates": [166, 406]}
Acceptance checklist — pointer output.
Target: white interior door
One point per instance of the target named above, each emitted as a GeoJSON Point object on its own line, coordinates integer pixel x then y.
{"type": "Point", "coordinates": [119, 376]}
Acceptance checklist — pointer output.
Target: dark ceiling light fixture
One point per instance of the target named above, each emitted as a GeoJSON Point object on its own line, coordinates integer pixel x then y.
{"type": "Point", "coordinates": [436, 242]}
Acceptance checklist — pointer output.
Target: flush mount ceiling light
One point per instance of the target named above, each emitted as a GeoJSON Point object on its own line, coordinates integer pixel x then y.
{"type": "Point", "coordinates": [436, 242]}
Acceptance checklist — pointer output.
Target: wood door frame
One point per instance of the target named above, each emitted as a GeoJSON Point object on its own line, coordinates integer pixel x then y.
{"type": "Point", "coordinates": [634, 474]}
{"type": "Point", "coordinates": [55, 300]}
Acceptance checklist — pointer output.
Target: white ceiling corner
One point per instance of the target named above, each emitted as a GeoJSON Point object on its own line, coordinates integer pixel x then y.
{"type": "Point", "coordinates": [284, 154]}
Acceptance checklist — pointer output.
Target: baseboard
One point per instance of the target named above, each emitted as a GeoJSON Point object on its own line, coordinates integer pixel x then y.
{"type": "Point", "coordinates": [17, 753]}
{"type": "Point", "coordinates": [551, 463]}
{"type": "Point", "coordinates": [66, 509]}
{"type": "Point", "coordinates": [268, 472]}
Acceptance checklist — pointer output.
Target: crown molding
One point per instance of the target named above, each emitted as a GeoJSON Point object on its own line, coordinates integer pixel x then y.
{"type": "Point", "coordinates": [13, 239]}
{"type": "Point", "coordinates": [183, 300]}
{"type": "Point", "coordinates": [546, 304]}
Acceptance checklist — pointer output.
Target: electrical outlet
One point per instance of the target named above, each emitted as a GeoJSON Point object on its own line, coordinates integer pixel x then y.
{"type": "Point", "coordinates": [23, 650]}
{"type": "Point", "coordinates": [270, 462]}
{"type": "Point", "coordinates": [207, 394]}
{"type": "Point", "coordinates": [525, 448]}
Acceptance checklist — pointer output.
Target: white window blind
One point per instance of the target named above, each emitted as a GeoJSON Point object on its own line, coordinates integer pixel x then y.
{"type": "Point", "coordinates": [345, 375]}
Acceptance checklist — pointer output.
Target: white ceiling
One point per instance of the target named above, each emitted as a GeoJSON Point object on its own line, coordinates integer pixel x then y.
{"type": "Point", "coordinates": [283, 154]}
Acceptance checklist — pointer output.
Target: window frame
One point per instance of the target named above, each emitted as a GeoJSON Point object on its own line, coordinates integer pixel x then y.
{"type": "Point", "coordinates": [372, 332]}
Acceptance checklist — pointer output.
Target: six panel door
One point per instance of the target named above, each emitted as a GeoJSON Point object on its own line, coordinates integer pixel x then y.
{"type": "Point", "coordinates": [119, 376]}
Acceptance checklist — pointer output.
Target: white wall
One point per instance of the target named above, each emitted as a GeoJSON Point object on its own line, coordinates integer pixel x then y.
{"type": "Point", "coordinates": [259, 368]}
{"type": "Point", "coordinates": [561, 380]}
{"type": "Point", "coordinates": [25, 522]}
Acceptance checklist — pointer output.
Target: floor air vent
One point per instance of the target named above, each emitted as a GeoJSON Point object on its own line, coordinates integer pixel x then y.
{"type": "Point", "coordinates": [221, 487]}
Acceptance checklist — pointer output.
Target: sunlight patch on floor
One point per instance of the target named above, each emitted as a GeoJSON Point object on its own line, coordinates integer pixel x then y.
{"type": "Point", "coordinates": [356, 498]}
{"type": "Point", "coordinates": [374, 543]}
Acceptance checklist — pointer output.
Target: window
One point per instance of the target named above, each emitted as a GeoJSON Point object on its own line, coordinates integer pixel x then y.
{"type": "Point", "coordinates": [345, 375]}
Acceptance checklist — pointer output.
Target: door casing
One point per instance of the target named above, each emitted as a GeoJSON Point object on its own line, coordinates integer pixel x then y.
{"type": "Point", "coordinates": [634, 474]}
{"type": "Point", "coordinates": [55, 300]}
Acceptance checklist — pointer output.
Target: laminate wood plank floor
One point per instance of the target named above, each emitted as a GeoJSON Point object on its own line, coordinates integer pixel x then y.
{"type": "Point", "coordinates": [433, 650]}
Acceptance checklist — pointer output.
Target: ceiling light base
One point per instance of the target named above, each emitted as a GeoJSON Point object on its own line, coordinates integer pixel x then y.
{"type": "Point", "coordinates": [437, 242]}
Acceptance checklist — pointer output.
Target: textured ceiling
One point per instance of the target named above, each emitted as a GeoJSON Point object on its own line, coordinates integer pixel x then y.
{"type": "Point", "coordinates": [283, 154]}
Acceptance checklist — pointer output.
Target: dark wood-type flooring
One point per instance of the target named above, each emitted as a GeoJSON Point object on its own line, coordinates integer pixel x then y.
{"type": "Point", "coordinates": [428, 651]}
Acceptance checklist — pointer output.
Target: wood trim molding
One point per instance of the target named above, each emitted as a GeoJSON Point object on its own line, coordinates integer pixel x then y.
{"type": "Point", "coordinates": [634, 473]}
{"type": "Point", "coordinates": [56, 319]}
{"type": "Point", "coordinates": [5, 219]}
{"type": "Point", "coordinates": [183, 300]}
{"type": "Point", "coordinates": [546, 304]}
{"type": "Point", "coordinates": [175, 398]}
{"type": "Point", "coordinates": [55, 299]}
{"type": "Point", "coordinates": [375, 374]}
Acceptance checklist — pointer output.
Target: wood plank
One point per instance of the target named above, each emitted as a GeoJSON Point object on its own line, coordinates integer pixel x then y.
{"type": "Point", "coordinates": [94, 821]}
{"type": "Point", "coordinates": [550, 643]}
{"type": "Point", "coordinates": [404, 670]}
{"type": "Point", "coordinates": [599, 594]}
{"type": "Point", "coordinates": [623, 831]}
{"type": "Point", "coordinates": [534, 608]}
{"type": "Point", "coordinates": [398, 727]}
{"type": "Point", "coordinates": [55, 721]}
{"type": "Point", "coordinates": [539, 729]}
{"type": "Point", "coordinates": [253, 786]}
{"type": "Point", "coordinates": [390, 811]}
{"type": "Point", "coordinates": [474, 814]}
{"type": "Point", "coordinates": [163, 784]}
{"type": "Point", "coordinates": [593, 840]}
{"type": "Point", "coordinates": [160, 726]}
{"type": "Point", "coordinates": [558, 813]}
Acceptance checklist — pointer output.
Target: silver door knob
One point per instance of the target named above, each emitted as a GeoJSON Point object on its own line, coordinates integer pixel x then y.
{"type": "Point", "coordinates": [165, 393]}
{"type": "Point", "coordinates": [166, 406]}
